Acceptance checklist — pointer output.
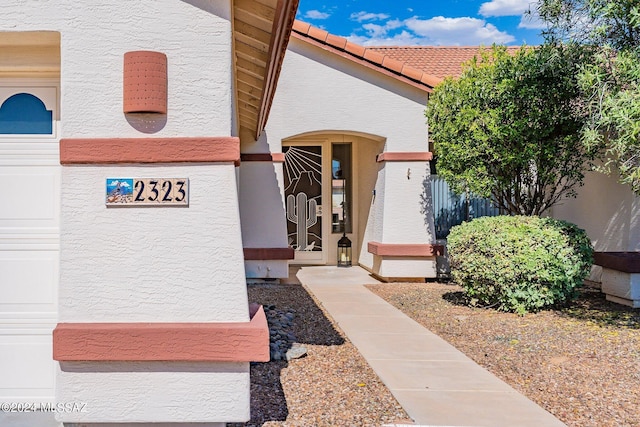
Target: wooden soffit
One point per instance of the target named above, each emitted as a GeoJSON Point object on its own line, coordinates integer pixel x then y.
{"type": "Point", "coordinates": [261, 30]}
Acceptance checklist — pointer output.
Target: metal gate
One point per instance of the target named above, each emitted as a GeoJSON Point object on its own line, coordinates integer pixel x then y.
{"type": "Point", "coordinates": [450, 209]}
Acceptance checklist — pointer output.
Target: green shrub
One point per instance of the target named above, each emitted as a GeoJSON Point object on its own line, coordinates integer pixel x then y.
{"type": "Point", "coordinates": [519, 263]}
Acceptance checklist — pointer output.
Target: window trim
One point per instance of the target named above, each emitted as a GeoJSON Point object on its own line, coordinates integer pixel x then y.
{"type": "Point", "coordinates": [47, 91]}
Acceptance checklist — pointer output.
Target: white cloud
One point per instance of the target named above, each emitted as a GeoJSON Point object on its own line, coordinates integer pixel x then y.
{"type": "Point", "coordinates": [527, 9]}
{"type": "Point", "coordinates": [378, 31]}
{"type": "Point", "coordinates": [457, 31]}
{"type": "Point", "coordinates": [368, 16]}
{"type": "Point", "coordinates": [529, 23]}
{"type": "Point", "coordinates": [532, 22]}
{"type": "Point", "coordinates": [374, 30]}
{"type": "Point", "coordinates": [506, 7]}
{"type": "Point", "coordinates": [316, 14]}
{"type": "Point", "coordinates": [403, 38]}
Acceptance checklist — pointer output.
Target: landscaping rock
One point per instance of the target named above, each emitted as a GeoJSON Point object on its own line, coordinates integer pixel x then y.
{"type": "Point", "coordinates": [282, 340]}
{"type": "Point", "coordinates": [296, 351]}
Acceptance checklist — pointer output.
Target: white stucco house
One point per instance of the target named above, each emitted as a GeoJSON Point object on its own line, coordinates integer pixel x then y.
{"type": "Point", "coordinates": [155, 157]}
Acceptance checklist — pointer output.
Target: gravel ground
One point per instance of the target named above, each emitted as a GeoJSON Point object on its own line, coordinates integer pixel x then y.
{"type": "Point", "coordinates": [581, 362]}
{"type": "Point", "coordinates": [331, 386]}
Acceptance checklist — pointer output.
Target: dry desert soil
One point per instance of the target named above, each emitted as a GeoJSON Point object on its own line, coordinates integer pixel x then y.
{"type": "Point", "coordinates": [580, 362]}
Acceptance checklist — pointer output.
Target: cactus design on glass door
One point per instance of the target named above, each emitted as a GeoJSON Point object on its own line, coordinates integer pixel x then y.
{"type": "Point", "coordinates": [303, 197]}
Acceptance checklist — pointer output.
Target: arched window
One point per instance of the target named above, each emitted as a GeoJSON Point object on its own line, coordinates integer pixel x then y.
{"type": "Point", "coordinates": [25, 114]}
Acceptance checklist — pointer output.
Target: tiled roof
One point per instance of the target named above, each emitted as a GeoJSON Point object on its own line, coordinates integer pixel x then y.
{"type": "Point", "coordinates": [366, 56]}
{"type": "Point", "coordinates": [439, 61]}
{"type": "Point", "coordinates": [420, 66]}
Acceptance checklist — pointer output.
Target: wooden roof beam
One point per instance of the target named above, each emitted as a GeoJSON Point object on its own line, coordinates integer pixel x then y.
{"type": "Point", "coordinates": [282, 25]}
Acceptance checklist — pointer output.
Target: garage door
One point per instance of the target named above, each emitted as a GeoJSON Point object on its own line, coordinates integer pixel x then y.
{"type": "Point", "coordinates": [29, 238]}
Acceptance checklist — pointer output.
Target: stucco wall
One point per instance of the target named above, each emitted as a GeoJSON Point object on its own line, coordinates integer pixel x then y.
{"type": "Point", "coordinates": [195, 35]}
{"type": "Point", "coordinates": [367, 178]}
{"type": "Point", "coordinates": [154, 264]}
{"type": "Point", "coordinates": [262, 216]}
{"type": "Point", "coordinates": [167, 256]}
{"type": "Point", "coordinates": [607, 210]}
{"type": "Point", "coordinates": [180, 393]}
{"type": "Point", "coordinates": [406, 188]}
{"type": "Point", "coordinates": [319, 91]}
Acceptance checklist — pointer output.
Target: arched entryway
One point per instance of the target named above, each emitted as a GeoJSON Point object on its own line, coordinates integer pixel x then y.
{"type": "Point", "coordinates": [329, 181]}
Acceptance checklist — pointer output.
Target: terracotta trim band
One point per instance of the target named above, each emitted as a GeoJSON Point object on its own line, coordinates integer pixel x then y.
{"type": "Point", "coordinates": [186, 342]}
{"type": "Point", "coordinates": [149, 150]}
{"type": "Point", "coordinates": [268, 254]}
{"type": "Point", "coordinates": [417, 156]}
{"type": "Point", "coordinates": [262, 157]}
{"type": "Point", "coordinates": [405, 250]}
{"type": "Point", "coordinates": [626, 262]}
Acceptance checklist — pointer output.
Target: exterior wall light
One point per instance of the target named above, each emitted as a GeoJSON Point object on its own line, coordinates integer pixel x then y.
{"type": "Point", "coordinates": [145, 82]}
{"type": "Point", "coordinates": [344, 251]}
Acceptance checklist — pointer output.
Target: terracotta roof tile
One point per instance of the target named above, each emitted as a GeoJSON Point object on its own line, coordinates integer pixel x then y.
{"type": "Point", "coordinates": [393, 64]}
{"type": "Point", "coordinates": [421, 66]}
{"type": "Point", "coordinates": [369, 57]}
{"type": "Point", "coordinates": [438, 61]}
{"type": "Point", "coordinates": [429, 79]}
{"type": "Point", "coordinates": [301, 27]}
{"type": "Point", "coordinates": [317, 34]}
{"type": "Point", "coordinates": [411, 72]}
{"type": "Point", "coordinates": [336, 41]}
{"type": "Point", "coordinates": [355, 49]}
{"type": "Point", "coordinates": [372, 56]}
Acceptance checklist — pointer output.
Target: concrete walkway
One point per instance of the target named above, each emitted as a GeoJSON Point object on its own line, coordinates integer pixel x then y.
{"type": "Point", "coordinates": [435, 383]}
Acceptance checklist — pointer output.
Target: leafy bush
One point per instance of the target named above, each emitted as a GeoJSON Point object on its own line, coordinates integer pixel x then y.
{"type": "Point", "coordinates": [519, 263]}
{"type": "Point", "coordinates": [509, 128]}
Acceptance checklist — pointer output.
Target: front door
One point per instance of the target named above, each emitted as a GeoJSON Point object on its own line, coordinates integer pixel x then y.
{"type": "Point", "coordinates": [303, 200]}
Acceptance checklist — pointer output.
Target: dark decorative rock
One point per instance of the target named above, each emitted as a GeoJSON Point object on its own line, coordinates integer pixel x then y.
{"type": "Point", "coordinates": [282, 344]}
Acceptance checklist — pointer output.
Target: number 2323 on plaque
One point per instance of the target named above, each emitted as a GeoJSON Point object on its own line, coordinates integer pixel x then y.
{"type": "Point", "coordinates": [147, 192]}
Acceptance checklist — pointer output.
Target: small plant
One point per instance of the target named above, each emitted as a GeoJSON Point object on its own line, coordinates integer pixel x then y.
{"type": "Point", "coordinates": [519, 263]}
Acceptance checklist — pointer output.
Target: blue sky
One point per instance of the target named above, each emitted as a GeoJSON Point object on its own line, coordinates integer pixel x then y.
{"type": "Point", "coordinates": [425, 22]}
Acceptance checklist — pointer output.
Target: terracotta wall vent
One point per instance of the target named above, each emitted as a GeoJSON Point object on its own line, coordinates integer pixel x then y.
{"type": "Point", "coordinates": [145, 82]}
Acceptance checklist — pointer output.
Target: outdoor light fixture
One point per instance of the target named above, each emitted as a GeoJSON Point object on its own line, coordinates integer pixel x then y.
{"type": "Point", "coordinates": [344, 251]}
{"type": "Point", "coordinates": [145, 82]}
